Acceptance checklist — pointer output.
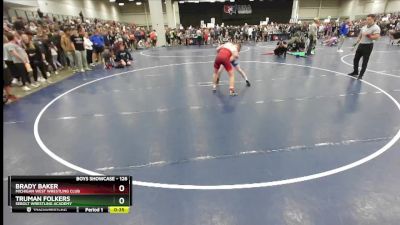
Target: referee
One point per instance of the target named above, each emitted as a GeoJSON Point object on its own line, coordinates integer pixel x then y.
{"type": "Point", "coordinates": [312, 35]}
{"type": "Point", "coordinates": [368, 34]}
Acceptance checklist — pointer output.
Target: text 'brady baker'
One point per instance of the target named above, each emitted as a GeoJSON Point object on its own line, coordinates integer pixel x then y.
{"type": "Point", "coordinates": [36, 186]}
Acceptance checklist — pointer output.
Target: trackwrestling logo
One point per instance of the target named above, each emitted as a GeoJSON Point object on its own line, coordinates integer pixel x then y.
{"type": "Point", "coordinates": [229, 9]}
{"type": "Point", "coordinates": [237, 9]}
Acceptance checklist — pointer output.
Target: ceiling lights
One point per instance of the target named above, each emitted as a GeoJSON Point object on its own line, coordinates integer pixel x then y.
{"type": "Point", "coordinates": [187, 1]}
{"type": "Point", "coordinates": [211, 1]}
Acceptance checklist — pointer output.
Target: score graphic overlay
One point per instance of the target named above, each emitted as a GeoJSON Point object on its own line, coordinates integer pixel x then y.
{"type": "Point", "coordinates": [70, 194]}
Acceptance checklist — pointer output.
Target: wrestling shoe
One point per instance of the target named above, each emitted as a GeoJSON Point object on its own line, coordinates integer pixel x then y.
{"type": "Point", "coordinates": [353, 74]}
{"type": "Point", "coordinates": [248, 83]}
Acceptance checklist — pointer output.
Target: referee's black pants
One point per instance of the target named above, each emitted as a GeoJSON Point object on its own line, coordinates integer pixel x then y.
{"type": "Point", "coordinates": [364, 51]}
{"type": "Point", "coordinates": [311, 45]}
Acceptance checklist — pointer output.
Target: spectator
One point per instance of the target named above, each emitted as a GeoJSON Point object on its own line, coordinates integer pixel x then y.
{"type": "Point", "coordinates": [68, 48]}
{"type": "Point", "coordinates": [20, 61]}
{"type": "Point", "coordinates": [19, 24]}
{"type": "Point", "coordinates": [98, 45]}
{"type": "Point", "coordinates": [54, 55]}
{"type": "Point", "coordinates": [7, 78]}
{"type": "Point", "coordinates": [89, 49]}
{"type": "Point", "coordinates": [312, 35]}
{"type": "Point", "coordinates": [343, 31]}
{"type": "Point", "coordinates": [131, 40]}
{"type": "Point", "coordinates": [80, 51]}
{"type": "Point", "coordinates": [138, 37]}
{"type": "Point", "coordinates": [36, 59]}
{"type": "Point", "coordinates": [40, 14]}
{"type": "Point", "coordinates": [199, 36]}
{"type": "Point", "coordinates": [153, 38]}
{"type": "Point", "coordinates": [56, 41]}
{"type": "Point", "coordinates": [47, 53]}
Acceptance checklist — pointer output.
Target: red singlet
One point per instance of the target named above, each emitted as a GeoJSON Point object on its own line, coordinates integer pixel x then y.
{"type": "Point", "coordinates": [223, 58]}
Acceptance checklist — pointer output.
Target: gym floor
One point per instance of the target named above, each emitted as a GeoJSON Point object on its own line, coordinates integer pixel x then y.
{"type": "Point", "coordinates": [305, 144]}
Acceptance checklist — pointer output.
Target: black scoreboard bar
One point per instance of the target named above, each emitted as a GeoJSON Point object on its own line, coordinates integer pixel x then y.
{"type": "Point", "coordinates": [70, 194]}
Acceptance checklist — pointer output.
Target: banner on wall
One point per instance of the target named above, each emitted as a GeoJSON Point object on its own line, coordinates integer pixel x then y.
{"type": "Point", "coordinates": [237, 9]}
{"type": "Point", "coordinates": [213, 20]}
{"type": "Point", "coordinates": [202, 25]}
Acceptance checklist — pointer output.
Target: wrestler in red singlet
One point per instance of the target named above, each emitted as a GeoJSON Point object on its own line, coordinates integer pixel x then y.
{"type": "Point", "coordinates": [226, 53]}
